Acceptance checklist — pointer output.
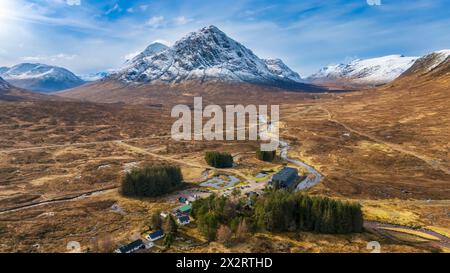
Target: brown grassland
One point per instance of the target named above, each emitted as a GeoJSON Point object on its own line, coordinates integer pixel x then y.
{"type": "Point", "coordinates": [61, 163]}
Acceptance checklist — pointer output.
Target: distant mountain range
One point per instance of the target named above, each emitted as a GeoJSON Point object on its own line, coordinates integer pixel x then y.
{"type": "Point", "coordinates": [210, 56]}
{"type": "Point", "coordinates": [40, 77]}
{"type": "Point", "coordinates": [95, 76]}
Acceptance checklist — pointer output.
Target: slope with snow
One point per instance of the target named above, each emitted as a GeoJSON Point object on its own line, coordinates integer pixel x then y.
{"type": "Point", "coordinates": [40, 77]}
{"type": "Point", "coordinates": [278, 67]}
{"type": "Point", "coordinates": [205, 55]}
{"type": "Point", "coordinates": [370, 72]}
{"type": "Point", "coordinates": [430, 63]}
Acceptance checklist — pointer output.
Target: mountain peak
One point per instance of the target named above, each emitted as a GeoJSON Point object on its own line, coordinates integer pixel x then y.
{"type": "Point", "coordinates": [211, 28]}
{"type": "Point", "coordinates": [155, 47]}
{"type": "Point", "coordinates": [205, 55]}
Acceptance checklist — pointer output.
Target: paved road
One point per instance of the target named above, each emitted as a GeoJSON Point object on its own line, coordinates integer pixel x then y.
{"type": "Point", "coordinates": [380, 228]}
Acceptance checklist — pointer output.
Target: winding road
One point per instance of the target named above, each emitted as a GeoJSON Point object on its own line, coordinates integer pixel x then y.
{"type": "Point", "coordinates": [383, 229]}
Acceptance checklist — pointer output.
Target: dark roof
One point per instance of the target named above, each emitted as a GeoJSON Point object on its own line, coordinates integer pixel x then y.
{"type": "Point", "coordinates": [132, 246]}
{"type": "Point", "coordinates": [156, 234]}
{"type": "Point", "coordinates": [286, 176]}
{"type": "Point", "coordinates": [183, 219]}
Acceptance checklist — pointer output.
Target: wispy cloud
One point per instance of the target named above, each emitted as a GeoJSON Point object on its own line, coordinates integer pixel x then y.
{"type": "Point", "coordinates": [52, 58]}
{"type": "Point", "coordinates": [182, 20]}
{"type": "Point", "coordinates": [115, 8]}
{"type": "Point", "coordinates": [73, 2]}
{"type": "Point", "coordinates": [155, 21]}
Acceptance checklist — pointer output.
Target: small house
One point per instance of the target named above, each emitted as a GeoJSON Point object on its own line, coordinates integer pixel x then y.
{"type": "Point", "coordinates": [132, 247]}
{"type": "Point", "coordinates": [286, 178]}
{"type": "Point", "coordinates": [185, 209]}
{"type": "Point", "coordinates": [154, 236]}
{"type": "Point", "coordinates": [183, 220]}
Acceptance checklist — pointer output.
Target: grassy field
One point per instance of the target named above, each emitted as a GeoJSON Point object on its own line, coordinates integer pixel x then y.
{"type": "Point", "coordinates": [391, 159]}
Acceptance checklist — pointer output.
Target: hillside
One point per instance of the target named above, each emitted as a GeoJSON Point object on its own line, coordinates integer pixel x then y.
{"type": "Point", "coordinates": [363, 73]}
{"type": "Point", "coordinates": [40, 77]}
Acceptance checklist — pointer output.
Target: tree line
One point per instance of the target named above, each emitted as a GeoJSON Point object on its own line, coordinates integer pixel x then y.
{"type": "Point", "coordinates": [285, 211]}
{"type": "Point", "coordinates": [151, 181]}
{"type": "Point", "coordinates": [221, 218]}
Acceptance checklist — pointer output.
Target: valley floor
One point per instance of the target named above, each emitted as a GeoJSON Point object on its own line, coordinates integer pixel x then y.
{"type": "Point", "coordinates": [59, 175]}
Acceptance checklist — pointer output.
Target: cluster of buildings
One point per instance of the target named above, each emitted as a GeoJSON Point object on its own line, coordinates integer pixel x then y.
{"type": "Point", "coordinates": [287, 178]}
{"type": "Point", "coordinates": [141, 244]}
{"type": "Point", "coordinates": [183, 218]}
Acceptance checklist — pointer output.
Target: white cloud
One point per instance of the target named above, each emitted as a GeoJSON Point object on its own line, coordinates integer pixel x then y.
{"type": "Point", "coordinates": [73, 2]}
{"type": "Point", "coordinates": [131, 55]}
{"type": "Point", "coordinates": [143, 7]}
{"type": "Point", "coordinates": [130, 10]}
{"type": "Point", "coordinates": [51, 58]}
{"type": "Point", "coordinates": [155, 21]}
{"type": "Point", "coordinates": [182, 20]}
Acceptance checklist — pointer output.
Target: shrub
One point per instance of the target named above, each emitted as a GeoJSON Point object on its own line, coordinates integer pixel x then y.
{"type": "Point", "coordinates": [219, 160]}
{"type": "Point", "coordinates": [268, 156]}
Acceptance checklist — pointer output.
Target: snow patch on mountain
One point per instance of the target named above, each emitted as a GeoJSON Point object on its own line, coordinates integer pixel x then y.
{"type": "Point", "coordinates": [277, 67]}
{"type": "Point", "coordinates": [440, 57]}
{"type": "Point", "coordinates": [375, 71]}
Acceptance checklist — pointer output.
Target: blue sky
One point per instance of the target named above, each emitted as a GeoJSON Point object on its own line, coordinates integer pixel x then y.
{"type": "Point", "coordinates": [92, 35]}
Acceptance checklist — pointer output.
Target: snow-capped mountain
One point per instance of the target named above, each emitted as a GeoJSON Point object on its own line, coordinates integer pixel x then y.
{"type": "Point", "coordinates": [277, 67]}
{"type": "Point", "coordinates": [205, 55]}
{"type": "Point", "coordinates": [40, 77]}
{"type": "Point", "coordinates": [368, 72]}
